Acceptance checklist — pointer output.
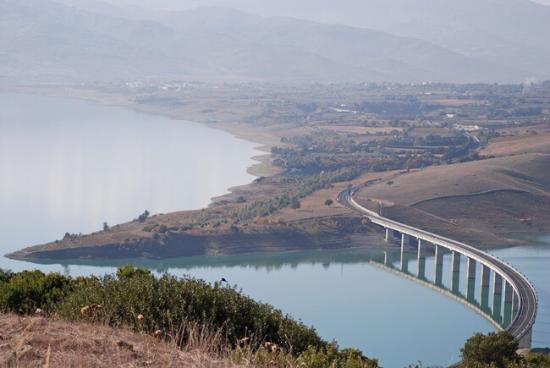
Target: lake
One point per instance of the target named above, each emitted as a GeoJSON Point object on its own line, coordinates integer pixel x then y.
{"type": "Point", "coordinates": [69, 165]}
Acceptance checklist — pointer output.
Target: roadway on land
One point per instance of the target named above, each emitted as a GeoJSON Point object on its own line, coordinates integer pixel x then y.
{"type": "Point", "coordinates": [523, 322]}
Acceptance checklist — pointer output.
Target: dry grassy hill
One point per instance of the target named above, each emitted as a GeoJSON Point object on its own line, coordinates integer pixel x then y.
{"type": "Point", "coordinates": [489, 202]}
{"type": "Point", "coordinates": [38, 342]}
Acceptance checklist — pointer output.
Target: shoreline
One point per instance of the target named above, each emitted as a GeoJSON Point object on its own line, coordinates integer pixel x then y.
{"type": "Point", "coordinates": [271, 240]}
{"type": "Point", "coordinates": [261, 168]}
{"type": "Point", "coordinates": [216, 228]}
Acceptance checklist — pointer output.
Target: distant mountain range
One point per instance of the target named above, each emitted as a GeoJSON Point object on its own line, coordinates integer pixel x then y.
{"type": "Point", "coordinates": [443, 40]}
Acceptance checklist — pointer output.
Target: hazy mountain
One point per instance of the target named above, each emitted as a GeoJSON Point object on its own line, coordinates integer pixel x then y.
{"type": "Point", "coordinates": [85, 40]}
{"type": "Point", "coordinates": [506, 32]}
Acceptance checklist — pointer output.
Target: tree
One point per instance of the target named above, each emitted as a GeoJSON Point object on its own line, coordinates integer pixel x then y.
{"type": "Point", "coordinates": [143, 216]}
{"type": "Point", "coordinates": [105, 226]}
{"type": "Point", "coordinates": [329, 202]}
{"type": "Point", "coordinates": [492, 350]}
{"type": "Point", "coordinates": [295, 203]}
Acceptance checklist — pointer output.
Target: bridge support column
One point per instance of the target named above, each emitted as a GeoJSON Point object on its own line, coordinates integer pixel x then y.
{"type": "Point", "coordinates": [485, 278]}
{"type": "Point", "coordinates": [421, 257]}
{"type": "Point", "coordinates": [515, 305]}
{"type": "Point", "coordinates": [470, 294]}
{"type": "Point", "coordinates": [526, 341]}
{"type": "Point", "coordinates": [403, 239]}
{"type": "Point", "coordinates": [455, 281]}
{"type": "Point", "coordinates": [438, 265]}
{"type": "Point", "coordinates": [404, 257]}
{"type": "Point", "coordinates": [508, 299]}
{"type": "Point", "coordinates": [387, 237]}
{"type": "Point", "coordinates": [389, 258]}
{"type": "Point", "coordinates": [497, 297]}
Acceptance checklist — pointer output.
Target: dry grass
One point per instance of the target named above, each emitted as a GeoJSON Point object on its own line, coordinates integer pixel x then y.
{"type": "Point", "coordinates": [518, 145]}
{"type": "Point", "coordinates": [487, 202]}
{"type": "Point", "coordinates": [521, 172]}
{"type": "Point", "coordinates": [39, 342]}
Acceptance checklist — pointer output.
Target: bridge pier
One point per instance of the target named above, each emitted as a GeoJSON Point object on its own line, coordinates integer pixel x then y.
{"type": "Point", "coordinates": [455, 281]}
{"type": "Point", "coordinates": [470, 294]}
{"type": "Point", "coordinates": [485, 278]}
{"type": "Point", "coordinates": [404, 257]}
{"type": "Point", "coordinates": [526, 340]}
{"type": "Point", "coordinates": [421, 257]}
{"type": "Point", "coordinates": [515, 305]}
{"type": "Point", "coordinates": [508, 300]}
{"type": "Point", "coordinates": [497, 297]}
{"type": "Point", "coordinates": [438, 265]}
{"type": "Point", "coordinates": [387, 237]}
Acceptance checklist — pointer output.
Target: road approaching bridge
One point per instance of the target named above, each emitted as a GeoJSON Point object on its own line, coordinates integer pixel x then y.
{"type": "Point", "coordinates": [506, 283]}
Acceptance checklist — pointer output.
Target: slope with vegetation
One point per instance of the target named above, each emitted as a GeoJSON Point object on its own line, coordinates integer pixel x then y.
{"type": "Point", "coordinates": [49, 320]}
{"type": "Point", "coordinates": [182, 312]}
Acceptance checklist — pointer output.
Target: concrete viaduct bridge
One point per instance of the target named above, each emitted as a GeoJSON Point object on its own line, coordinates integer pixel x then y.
{"type": "Point", "coordinates": [507, 285]}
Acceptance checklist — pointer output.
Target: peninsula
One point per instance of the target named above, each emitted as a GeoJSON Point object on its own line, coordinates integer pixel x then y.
{"type": "Point", "coordinates": [441, 157]}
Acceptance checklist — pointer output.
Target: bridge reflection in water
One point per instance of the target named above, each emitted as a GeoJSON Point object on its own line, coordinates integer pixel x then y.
{"type": "Point", "coordinates": [460, 278]}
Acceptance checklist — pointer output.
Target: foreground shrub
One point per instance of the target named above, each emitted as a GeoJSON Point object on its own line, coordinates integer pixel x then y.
{"type": "Point", "coordinates": [26, 291]}
{"type": "Point", "coordinates": [533, 361]}
{"type": "Point", "coordinates": [496, 349]}
{"type": "Point", "coordinates": [168, 303]}
{"type": "Point", "coordinates": [5, 275]}
{"type": "Point", "coordinates": [186, 311]}
{"type": "Point", "coordinates": [330, 356]}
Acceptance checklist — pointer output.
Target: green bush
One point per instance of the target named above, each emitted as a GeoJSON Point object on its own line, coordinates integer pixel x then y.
{"type": "Point", "coordinates": [533, 361]}
{"type": "Point", "coordinates": [496, 349]}
{"type": "Point", "coordinates": [5, 275]}
{"type": "Point", "coordinates": [330, 356]}
{"type": "Point", "coordinates": [167, 303]}
{"type": "Point", "coordinates": [136, 298]}
{"type": "Point", "coordinates": [26, 291]}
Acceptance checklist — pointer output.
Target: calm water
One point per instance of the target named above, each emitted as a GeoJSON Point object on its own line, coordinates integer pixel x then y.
{"type": "Point", "coordinates": [68, 165]}
{"type": "Point", "coordinates": [534, 262]}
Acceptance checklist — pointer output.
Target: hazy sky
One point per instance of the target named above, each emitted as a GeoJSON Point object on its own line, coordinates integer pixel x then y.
{"type": "Point", "coordinates": [256, 5]}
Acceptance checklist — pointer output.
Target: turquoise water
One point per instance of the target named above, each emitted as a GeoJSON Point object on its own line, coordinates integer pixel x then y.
{"type": "Point", "coordinates": [68, 165]}
{"type": "Point", "coordinates": [534, 262]}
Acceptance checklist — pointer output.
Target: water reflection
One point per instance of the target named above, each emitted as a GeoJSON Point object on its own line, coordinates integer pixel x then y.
{"type": "Point", "coordinates": [498, 306]}
{"type": "Point", "coordinates": [267, 262]}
